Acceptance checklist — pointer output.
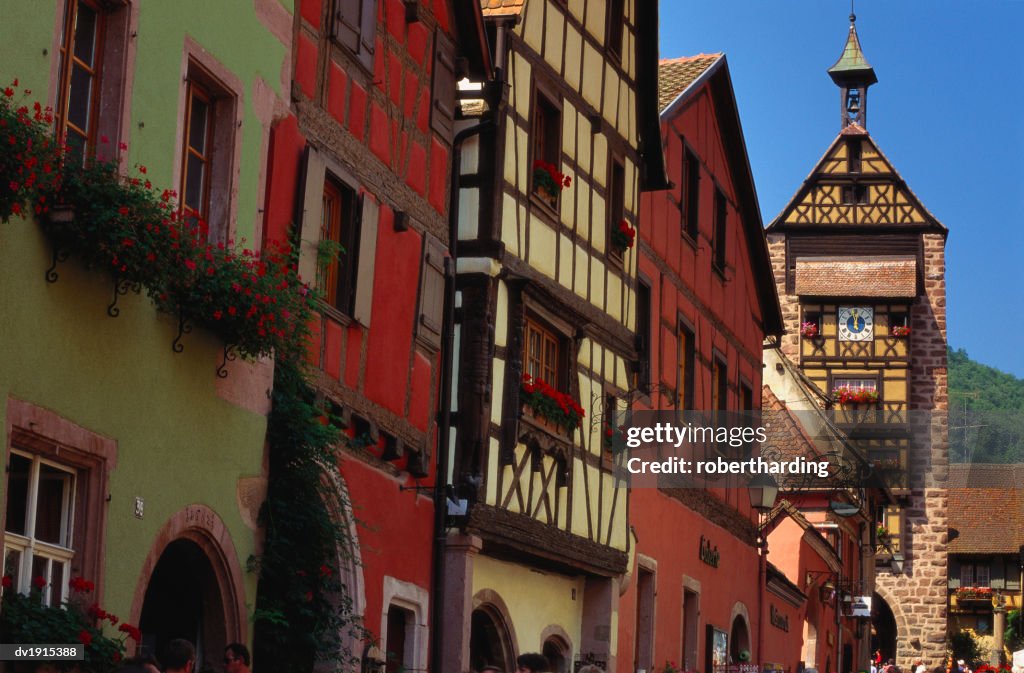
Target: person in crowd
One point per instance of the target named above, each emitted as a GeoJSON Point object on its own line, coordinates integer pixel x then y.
{"type": "Point", "coordinates": [180, 656]}
{"type": "Point", "coordinates": [532, 662]}
{"type": "Point", "coordinates": [146, 663]}
{"type": "Point", "coordinates": [236, 658]}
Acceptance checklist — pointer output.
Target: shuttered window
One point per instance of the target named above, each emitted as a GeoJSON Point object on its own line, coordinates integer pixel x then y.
{"type": "Point", "coordinates": [431, 311]}
{"type": "Point", "coordinates": [355, 27]}
{"type": "Point", "coordinates": [442, 113]}
{"type": "Point", "coordinates": [338, 245]}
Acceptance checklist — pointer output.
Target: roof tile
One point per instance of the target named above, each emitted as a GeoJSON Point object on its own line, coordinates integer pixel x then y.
{"type": "Point", "coordinates": [676, 74]}
{"type": "Point", "coordinates": [856, 276]}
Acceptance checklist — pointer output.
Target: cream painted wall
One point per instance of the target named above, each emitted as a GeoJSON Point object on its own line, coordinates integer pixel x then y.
{"type": "Point", "coordinates": [535, 600]}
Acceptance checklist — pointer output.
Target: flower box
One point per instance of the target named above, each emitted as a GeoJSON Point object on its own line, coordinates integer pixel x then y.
{"type": "Point", "coordinates": [900, 331]}
{"type": "Point", "coordinates": [847, 395]}
{"type": "Point", "coordinates": [548, 181]}
{"type": "Point", "coordinates": [622, 237]}
{"type": "Point", "coordinates": [809, 330]}
{"type": "Point", "coordinates": [541, 401]}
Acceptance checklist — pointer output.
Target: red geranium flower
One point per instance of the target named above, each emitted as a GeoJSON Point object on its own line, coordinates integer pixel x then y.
{"type": "Point", "coordinates": [84, 637]}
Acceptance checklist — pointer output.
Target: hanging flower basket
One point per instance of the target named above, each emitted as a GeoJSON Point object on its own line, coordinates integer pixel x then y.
{"type": "Point", "coordinates": [548, 403]}
{"type": "Point", "coordinates": [809, 330]}
{"type": "Point", "coordinates": [901, 331]}
{"type": "Point", "coordinates": [623, 237]}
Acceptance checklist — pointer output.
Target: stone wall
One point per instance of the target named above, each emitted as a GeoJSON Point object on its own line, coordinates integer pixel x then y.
{"type": "Point", "coordinates": [917, 596]}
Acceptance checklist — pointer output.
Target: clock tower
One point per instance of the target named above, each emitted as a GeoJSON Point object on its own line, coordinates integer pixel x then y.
{"type": "Point", "coordinates": [859, 264]}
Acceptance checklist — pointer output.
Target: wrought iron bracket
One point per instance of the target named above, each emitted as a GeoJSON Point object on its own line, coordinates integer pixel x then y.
{"type": "Point", "coordinates": [184, 327]}
{"type": "Point", "coordinates": [59, 256]}
{"type": "Point", "coordinates": [229, 356]}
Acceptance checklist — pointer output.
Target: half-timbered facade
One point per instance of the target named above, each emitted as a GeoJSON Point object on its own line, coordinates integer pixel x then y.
{"type": "Point", "coordinates": [859, 262]}
{"type": "Point", "coordinates": [550, 177]}
{"type": "Point", "coordinates": [705, 303]}
{"type": "Point", "coordinates": [360, 173]}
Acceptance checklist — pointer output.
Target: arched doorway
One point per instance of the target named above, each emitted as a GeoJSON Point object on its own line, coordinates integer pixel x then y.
{"type": "Point", "coordinates": [489, 641]}
{"type": "Point", "coordinates": [883, 628]}
{"type": "Point", "coordinates": [739, 640]}
{"type": "Point", "coordinates": [184, 600]}
{"type": "Point", "coordinates": [557, 653]}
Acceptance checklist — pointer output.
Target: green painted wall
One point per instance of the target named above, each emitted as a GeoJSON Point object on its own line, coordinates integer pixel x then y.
{"type": "Point", "coordinates": [178, 442]}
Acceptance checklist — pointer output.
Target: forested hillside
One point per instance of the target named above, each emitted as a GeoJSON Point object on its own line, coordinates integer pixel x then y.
{"type": "Point", "coordinates": [986, 412]}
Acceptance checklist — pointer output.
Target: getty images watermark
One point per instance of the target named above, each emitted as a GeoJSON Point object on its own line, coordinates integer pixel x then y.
{"type": "Point", "coordinates": [718, 449]}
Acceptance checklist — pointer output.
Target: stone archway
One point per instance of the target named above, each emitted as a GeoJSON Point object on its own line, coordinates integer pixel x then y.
{"type": "Point", "coordinates": [492, 641]}
{"type": "Point", "coordinates": [190, 586]}
{"type": "Point", "coordinates": [557, 647]}
{"type": "Point", "coordinates": [739, 634]}
{"type": "Point", "coordinates": [885, 629]}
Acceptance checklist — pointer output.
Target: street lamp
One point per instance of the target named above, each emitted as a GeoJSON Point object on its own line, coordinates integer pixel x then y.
{"type": "Point", "coordinates": [897, 563]}
{"type": "Point", "coordinates": [763, 491]}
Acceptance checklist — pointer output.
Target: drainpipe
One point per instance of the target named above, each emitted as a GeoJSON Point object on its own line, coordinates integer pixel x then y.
{"type": "Point", "coordinates": [445, 424]}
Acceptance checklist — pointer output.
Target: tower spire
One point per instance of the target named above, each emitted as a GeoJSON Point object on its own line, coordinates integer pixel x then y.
{"type": "Point", "coordinates": [853, 75]}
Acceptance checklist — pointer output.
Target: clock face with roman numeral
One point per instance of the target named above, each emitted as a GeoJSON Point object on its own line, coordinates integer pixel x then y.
{"type": "Point", "coordinates": [856, 323]}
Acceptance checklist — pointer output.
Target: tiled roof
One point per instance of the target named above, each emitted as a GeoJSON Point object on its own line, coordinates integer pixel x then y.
{"type": "Point", "coordinates": [784, 434]}
{"type": "Point", "coordinates": [675, 74]}
{"type": "Point", "coordinates": [502, 7]}
{"type": "Point", "coordinates": [986, 508]}
{"type": "Point", "coordinates": [856, 276]}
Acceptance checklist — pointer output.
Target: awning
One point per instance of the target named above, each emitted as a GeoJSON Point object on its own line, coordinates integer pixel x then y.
{"type": "Point", "coordinates": [881, 276]}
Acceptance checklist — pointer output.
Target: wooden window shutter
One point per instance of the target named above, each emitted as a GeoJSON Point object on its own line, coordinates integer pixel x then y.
{"type": "Point", "coordinates": [367, 33]}
{"type": "Point", "coordinates": [311, 194]}
{"type": "Point", "coordinates": [444, 92]}
{"type": "Point", "coordinates": [347, 23]}
{"type": "Point", "coordinates": [431, 310]}
{"type": "Point", "coordinates": [369, 214]}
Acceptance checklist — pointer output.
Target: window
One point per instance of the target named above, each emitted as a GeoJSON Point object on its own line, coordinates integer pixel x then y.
{"type": "Point", "coordinates": [339, 246]}
{"type": "Point", "coordinates": [547, 124]}
{"type": "Point", "coordinates": [855, 195]}
{"type": "Point", "coordinates": [338, 239]}
{"type": "Point", "coordinates": [616, 211]}
{"type": "Point", "coordinates": [853, 150]}
{"type": "Point", "coordinates": [718, 244]}
{"type": "Point", "coordinates": [92, 54]}
{"type": "Point", "coordinates": [719, 385]}
{"type": "Point", "coordinates": [40, 517]}
{"type": "Point", "coordinates": [197, 154]}
{"type": "Point", "coordinates": [855, 384]}
{"type": "Point", "coordinates": [207, 152]}
{"type": "Point", "coordinates": [541, 352]}
{"type": "Point", "coordinates": [616, 24]}
{"type": "Point", "coordinates": [80, 48]}
{"type": "Point", "coordinates": [355, 27]}
{"type": "Point", "coordinates": [746, 397]}
{"type": "Point", "coordinates": [686, 356]}
{"type": "Point", "coordinates": [643, 336]}
{"type": "Point", "coordinates": [981, 576]}
{"type": "Point", "coordinates": [690, 198]}
{"type": "Point", "coordinates": [812, 318]}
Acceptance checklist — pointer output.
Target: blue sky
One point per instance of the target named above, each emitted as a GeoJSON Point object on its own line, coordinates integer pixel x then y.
{"type": "Point", "coordinates": [948, 111]}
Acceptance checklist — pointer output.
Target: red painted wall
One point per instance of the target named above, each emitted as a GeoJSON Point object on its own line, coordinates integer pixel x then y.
{"type": "Point", "coordinates": [725, 316]}
{"type": "Point", "coordinates": [379, 372]}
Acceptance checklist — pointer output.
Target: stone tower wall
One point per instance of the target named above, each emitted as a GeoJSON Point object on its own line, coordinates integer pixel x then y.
{"type": "Point", "coordinates": [920, 593]}
{"type": "Point", "coordinates": [917, 596]}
